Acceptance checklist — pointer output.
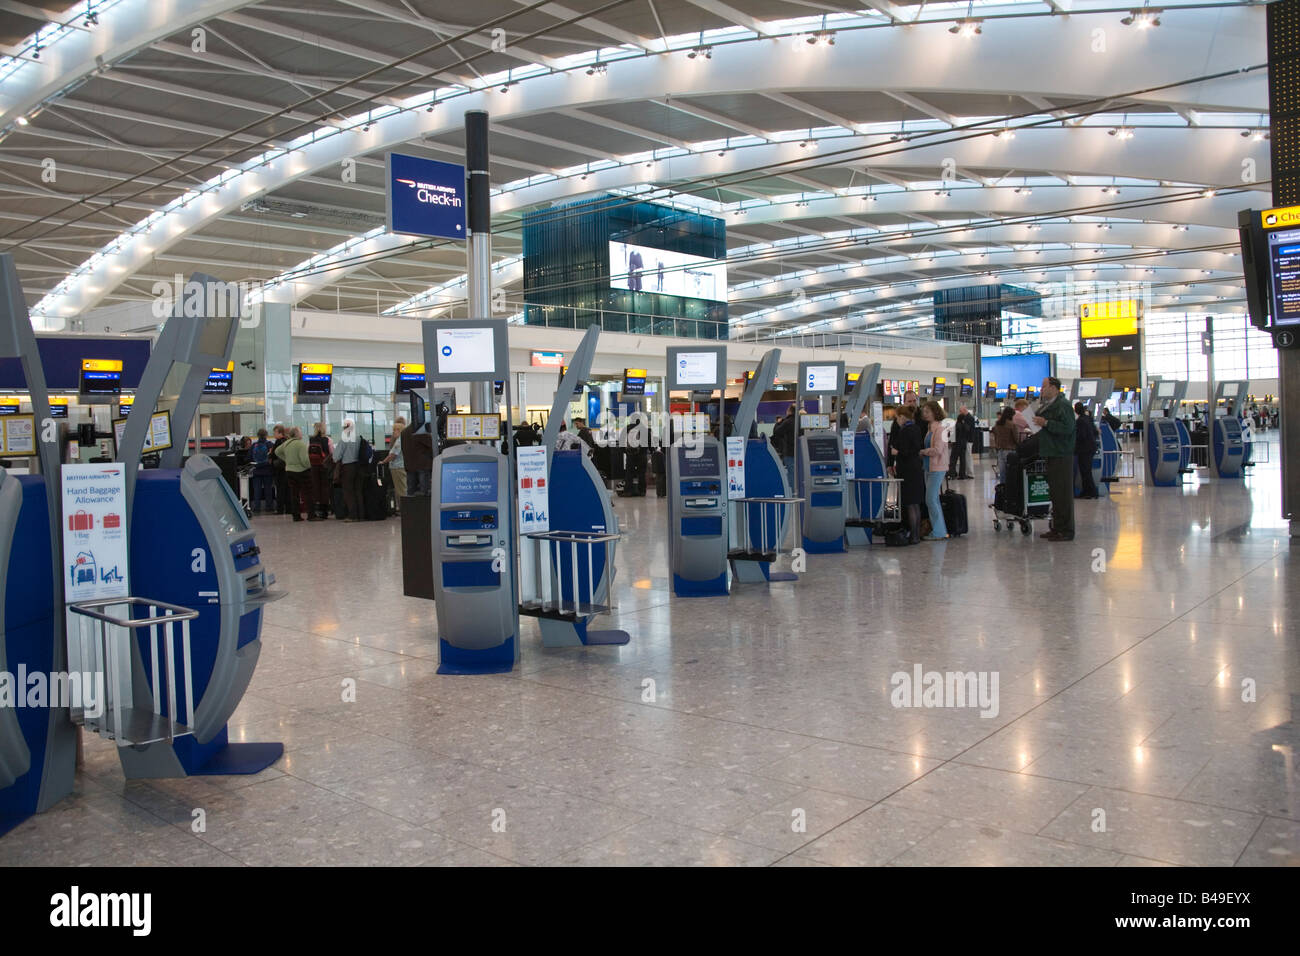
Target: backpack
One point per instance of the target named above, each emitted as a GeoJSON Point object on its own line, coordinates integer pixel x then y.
{"type": "Point", "coordinates": [259, 452]}
{"type": "Point", "coordinates": [317, 453]}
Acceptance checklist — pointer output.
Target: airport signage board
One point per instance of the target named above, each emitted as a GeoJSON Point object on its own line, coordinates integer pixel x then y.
{"type": "Point", "coordinates": [94, 532]}
{"type": "Point", "coordinates": [534, 496]}
{"type": "Point", "coordinates": [424, 197]}
{"type": "Point", "coordinates": [735, 467]}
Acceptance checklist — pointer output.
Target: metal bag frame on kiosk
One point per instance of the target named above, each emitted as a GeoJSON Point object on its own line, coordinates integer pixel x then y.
{"type": "Point", "coordinates": [866, 493]}
{"type": "Point", "coordinates": [1105, 460]}
{"type": "Point", "coordinates": [476, 594]}
{"type": "Point", "coordinates": [821, 484]}
{"type": "Point", "coordinates": [1229, 449]}
{"type": "Point", "coordinates": [37, 747]}
{"type": "Point", "coordinates": [1164, 443]}
{"type": "Point", "coordinates": [576, 553]}
{"type": "Point", "coordinates": [758, 521]}
{"type": "Point", "coordinates": [229, 586]}
{"type": "Point", "coordinates": [697, 495]}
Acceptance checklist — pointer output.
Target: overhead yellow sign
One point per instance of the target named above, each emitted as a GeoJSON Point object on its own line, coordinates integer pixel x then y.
{"type": "Point", "coordinates": [317, 368]}
{"type": "Point", "coordinates": [101, 365]}
{"type": "Point", "coordinates": [1282, 218]}
{"type": "Point", "coordinates": [1103, 319]}
{"type": "Point", "coordinates": [410, 368]}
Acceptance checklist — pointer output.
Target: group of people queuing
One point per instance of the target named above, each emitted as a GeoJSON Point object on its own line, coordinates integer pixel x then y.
{"type": "Point", "coordinates": [296, 475]}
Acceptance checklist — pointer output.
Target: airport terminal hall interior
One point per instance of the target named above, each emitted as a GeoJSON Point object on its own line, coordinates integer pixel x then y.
{"type": "Point", "coordinates": [649, 433]}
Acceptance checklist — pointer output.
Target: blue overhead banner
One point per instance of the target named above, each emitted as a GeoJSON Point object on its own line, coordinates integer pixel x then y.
{"type": "Point", "coordinates": [425, 197]}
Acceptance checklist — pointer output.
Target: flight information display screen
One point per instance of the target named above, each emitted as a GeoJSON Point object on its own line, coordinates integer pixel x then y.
{"type": "Point", "coordinates": [315, 380]}
{"type": "Point", "coordinates": [100, 377]}
{"type": "Point", "coordinates": [469, 482]}
{"type": "Point", "coordinates": [699, 462]}
{"type": "Point", "coordinates": [409, 375]}
{"type": "Point", "coordinates": [1284, 272]}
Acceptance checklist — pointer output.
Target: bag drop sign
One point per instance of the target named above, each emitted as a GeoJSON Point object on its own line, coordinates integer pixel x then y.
{"type": "Point", "coordinates": [735, 468]}
{"type": "Point", "coordinates": [94, 532]}
{"type": "Point", "coordinates": [534, 496]}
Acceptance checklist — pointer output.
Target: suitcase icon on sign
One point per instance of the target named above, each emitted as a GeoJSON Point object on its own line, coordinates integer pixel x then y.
{"type": "Point", "coordinates": [81, 521]}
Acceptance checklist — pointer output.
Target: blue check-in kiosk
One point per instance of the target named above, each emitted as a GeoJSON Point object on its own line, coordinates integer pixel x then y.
{"type": "Point", "coordinates": [1228, 446]}
{"type": "Point", "coordinates": [865, 498]}
{"type": "Point", "coordinates": [37, 739]}
{"type": "Point", "coordinates": [1094, 393]}
{"type": "Point", "coordinates": [202, 554]}
{"type": "Point", "coordinates": [819, 460]}
{"type": "Point", "coordinates": [192, 545]}
{"type": "Point", "coordinates": [472, 517]}
{"type": "Point", "coordinates": [1167, 441]}
{"type": "Point", "coordinates": [696, 471]}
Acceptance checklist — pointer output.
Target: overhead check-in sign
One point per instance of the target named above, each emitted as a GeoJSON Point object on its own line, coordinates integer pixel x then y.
{"type": "Point", "coordinates": [425, 197]}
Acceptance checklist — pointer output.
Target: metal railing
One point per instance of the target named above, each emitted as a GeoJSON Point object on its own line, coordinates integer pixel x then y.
{"type": "Point", "coordinates": [102, 647]}
{"type": "Point", "coordinates": [781, 508]}
{"type": "Point", "coordinates": [888, 512]}
{"type": "Point", "coordinates": [548, 547]}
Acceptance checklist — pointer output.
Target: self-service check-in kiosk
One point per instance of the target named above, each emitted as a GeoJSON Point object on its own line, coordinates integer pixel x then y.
{"type": "Point", "coordinates": [866, 495]}
{"type": "Point", "coordinates": [1166, 444]}
{"type": "Point", "coordinates": [819, 460]}
{"type": "Point", "coordinates": [696, 470]}
{"type": "Point", "coordinates": [192, 546]}
{"type": "Point", "coordinates": [1228, 451]}
{"type": "Point", "coordinates": [472, 517]}
{"type": "Point", "coordinates": [1093, 393]}
{"type": "Point", "coordinates": [762, 504]}
{"type": "Point", "coordinates": [37, 741]}
{"type": "Point", "coordinates": [567, 526]}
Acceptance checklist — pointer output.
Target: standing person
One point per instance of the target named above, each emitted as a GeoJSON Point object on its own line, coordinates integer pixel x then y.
{"type": "Point", "coordinates": [1023, 419]}
{"type": "Point", "coordinates": [417, 457]}
{"type": "Point", "coordinates": [1005, 437]}
{"type": "Point", "coordinates": [783, 436]}
{"type": "Point", "coordinates": [396, 462]}
{"type": "Point", "coordinates": [347, 457]}
{"type": "Point", "coordinates": [297, 471]}
{"type": "Point", "coordinates": [261, 485]}
{"type": "Point", "coordinates": [905, 450]}
{"type": "Point", "coordinates": [320, 451]}
{"type": "Point", "coordinates": [909, 401]}
{"type": "Point", "coordinates": [1055, 420]}
{"type": "Point", "coordinates": [281, 435]}
{"type": "Point", "coordinates": [963, 433]}
{"type": "Point", "coordinates": [936, 450]}
{"type": "Point", "coordinates": [1085, 447]}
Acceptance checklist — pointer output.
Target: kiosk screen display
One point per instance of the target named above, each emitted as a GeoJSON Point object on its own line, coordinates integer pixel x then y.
{"type": "Point", "coordinates": [469, 482]}
{"type": "Point", "coordinates": [822, 378]}
{"type": "Point", "coordinates": [697, 368]}
{"type": "Point", "coordinates": [468, 351]}
{"type": "Point", "coordinates": [1166, 389]}
{"type": "Point", "coordinates": [698, 462]}
{"type": "Point", "coordinates": [1229, 389]}
{"type": "Point", "coordinates": [824, 448]}
{"type": "Point", "coordinates": [1087, 389]}
{"type": "Point", "coordinates": [222, 501]}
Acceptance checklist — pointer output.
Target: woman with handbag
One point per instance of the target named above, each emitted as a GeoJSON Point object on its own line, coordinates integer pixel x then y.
{"type": "Point", "coordinates": [905, 450]}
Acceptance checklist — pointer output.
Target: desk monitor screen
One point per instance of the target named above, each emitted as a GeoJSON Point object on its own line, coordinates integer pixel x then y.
{"type": "Point", "coordinates": [809, 420]}
{"type": "Point", "coordinates": [938, 386]}
{"type": "Point", "coordinates": [1087, 389]}
{"type": "Point", "coordinates": [990, 389]}
{"type": "Point", "coordinates": [221, 381]}
{"type": "Point", "coordinates": [100, 377]}
{"type": "Point", "coordinates": [409, 375]}
{"type": "Point", "coordinates": [1166, 389]}
{"type": "Point", "coordinates": [469, 482]}
{"type": "Point", "coordinates": [634, 381]}
{"type": "Point", "coordinates": [315, 380]}
{"type": "Point", "coordinates": [824, 448]}
{"type": "Point", "coordinates": [58, 409]}
{"type": "Point", "coordinates": [699, 461]}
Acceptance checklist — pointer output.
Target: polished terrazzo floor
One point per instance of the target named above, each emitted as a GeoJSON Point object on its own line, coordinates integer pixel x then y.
{"type": "Point", "coordinates": [771, 738]}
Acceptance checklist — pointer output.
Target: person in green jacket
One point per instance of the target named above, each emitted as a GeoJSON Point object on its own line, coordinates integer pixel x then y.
{"type": "Point", "coordinates": [1056, 445]}
{"type": "Point", "coordinates": [297, 464]}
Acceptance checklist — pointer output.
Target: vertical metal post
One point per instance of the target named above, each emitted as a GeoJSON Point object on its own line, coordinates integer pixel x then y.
{"type": "Point", "coordinates": [479, 248]}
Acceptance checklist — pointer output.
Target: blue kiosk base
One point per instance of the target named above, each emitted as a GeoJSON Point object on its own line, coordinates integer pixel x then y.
{"type": "Point", "coordinates": [490, 660]}
{"type": "Point", "coordinates": [557, 632]}
{"type": "Point", "coordinates": [240, 759]}
{"type": "Point", "coordinates": [714, 587]}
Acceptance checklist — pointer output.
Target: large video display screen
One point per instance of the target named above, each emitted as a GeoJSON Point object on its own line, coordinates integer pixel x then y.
{"type": "Point", "coordinates": [643, 269]}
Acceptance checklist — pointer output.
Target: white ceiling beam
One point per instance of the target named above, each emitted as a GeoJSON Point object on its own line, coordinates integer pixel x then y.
{"type": "Point", "coordinates": [826, 116]}
{"type": "Point", "coordinates": [733, 16]}
{"type": "Point", "coordinates": [918, 104]}
{"type": "Point", "coordinates": [599, 26]}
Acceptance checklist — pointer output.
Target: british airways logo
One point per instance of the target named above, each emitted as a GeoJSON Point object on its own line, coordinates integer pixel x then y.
{"type": "Point", "coordinates": [432, 194]}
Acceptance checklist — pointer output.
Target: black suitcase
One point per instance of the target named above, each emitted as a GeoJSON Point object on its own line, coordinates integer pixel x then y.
{"type": "Point", "coordinates": [657, 464]}
{"type": "Point", "coordinates": [954, 513]}
{"type": "Point", "coordinates": [337, 503]}
{"type": "Point", "coordinates": [1006, 498]}
{"type": "Point", "coordinates": [374, 501]}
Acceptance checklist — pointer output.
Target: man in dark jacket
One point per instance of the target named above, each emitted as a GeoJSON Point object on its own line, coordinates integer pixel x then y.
{"type": "Point", "coordinates": [1085, 447]}
{"type": "Point", "coordinates": [963, 434]}
{"type": "Point", "coordinates": [417, 453]}
{"type": "Point", "coordinates": [1055, 420]}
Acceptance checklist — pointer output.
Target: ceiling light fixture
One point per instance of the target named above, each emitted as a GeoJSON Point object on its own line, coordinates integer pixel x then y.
{"type": "Point", "coordinates": [1143, 19]}
{"type": "Point", "coordinates": [968, 28]}
{"type": "Point", "coordinates": [704, 51]}
{"type": "Point", "coordinates": [1122, 132]}
{"type": "Point", "coordinates": [1209, 194]}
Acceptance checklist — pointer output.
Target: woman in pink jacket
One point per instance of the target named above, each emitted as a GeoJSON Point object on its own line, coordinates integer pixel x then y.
{"type": "Point", "coordinates": [936, 450]}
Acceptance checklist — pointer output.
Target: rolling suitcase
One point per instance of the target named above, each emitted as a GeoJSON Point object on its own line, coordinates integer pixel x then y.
{"type": "Point", "coordinates": [954, 513]}
{"type": "Point", "coordinates": [374, 500]}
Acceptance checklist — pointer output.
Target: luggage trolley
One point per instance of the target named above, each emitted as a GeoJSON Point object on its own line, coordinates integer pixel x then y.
{"type": "Point", "coordinates": [885, 500]}
{"type": "Point", "coordinates": [1035, 499]}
